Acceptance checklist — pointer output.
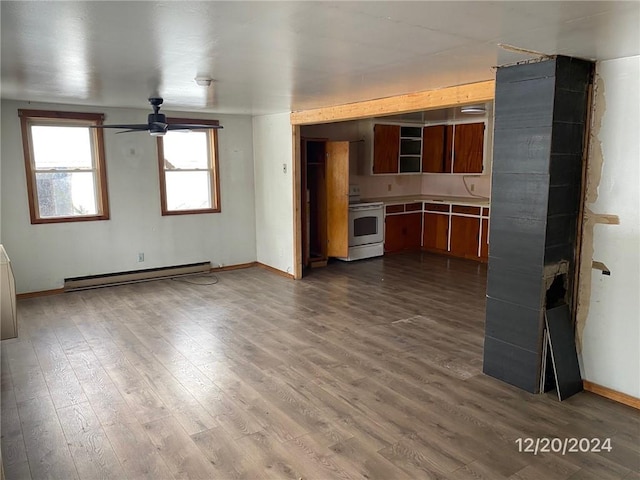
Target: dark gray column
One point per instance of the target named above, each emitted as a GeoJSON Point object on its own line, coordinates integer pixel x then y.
{"type": "Point", "coordinates": [540, 114]}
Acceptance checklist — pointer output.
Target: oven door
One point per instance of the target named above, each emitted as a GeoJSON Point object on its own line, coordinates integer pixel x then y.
{"type": "Point", "coordinates": [365, 225]}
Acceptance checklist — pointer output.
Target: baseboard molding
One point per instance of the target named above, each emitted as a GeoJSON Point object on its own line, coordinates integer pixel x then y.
{"type": "Point", "coordinates": [133, 276]}
{"type": "Point", "coordinates": [41, 293]}
{"type": "Point", "coordinates": [225, 268]}
{"type": "Point", "coordinates": [237, 266]}
{"type": "Point", "coordinates": [611, 394]}
{"type": "Point", "coordinates": [275, 270]}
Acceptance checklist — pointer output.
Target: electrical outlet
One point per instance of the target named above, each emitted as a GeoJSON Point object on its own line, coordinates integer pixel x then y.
{"type": "Point", "coordinates": [472, 187]}
{"type": "Point", "coordinates": [141, 257]}
{"type": "Point", "coordinates": [388, 187]}
{"type": "Point", "coordinates": [284, 168]}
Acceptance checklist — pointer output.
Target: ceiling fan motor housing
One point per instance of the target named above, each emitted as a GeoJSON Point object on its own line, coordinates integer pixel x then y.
{"type": "Point", "coordinates": [156, 118]}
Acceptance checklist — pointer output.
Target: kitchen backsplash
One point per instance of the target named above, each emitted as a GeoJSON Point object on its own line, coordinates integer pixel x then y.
{"type": "Point", "coordinates": [454, 185]}
{"type": "Point", "coordinates": [376, 186]}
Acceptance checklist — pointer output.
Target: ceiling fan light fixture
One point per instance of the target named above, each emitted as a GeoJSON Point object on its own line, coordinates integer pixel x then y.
{"type": "Point", "coordinates": [157, 134]}
{"type": "Point", "coordinates": [204, 81]}
{"type": "Point", "coordinates": [473, 110]}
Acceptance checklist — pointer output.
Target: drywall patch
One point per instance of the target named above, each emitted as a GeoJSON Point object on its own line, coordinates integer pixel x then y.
{"type": "Point", "coordinates": [595, 158]}
{"type": "Point", "coordinates": [590, 219]}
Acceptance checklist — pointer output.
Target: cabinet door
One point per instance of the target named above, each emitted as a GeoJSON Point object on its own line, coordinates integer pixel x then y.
{"type": "Point", "coordinates": [468, 148]}
{"type": "Point", "coordinates": [465, 236]}
{"type": "Point", "coordinates": [433, 147]}
{"type": "Point", "coordinates": [448, 149]}
{"type": "Point", "coordinates": [435, 231]}
{"type": "Point", "coordinates": [337, 188]}
{"type": "Point", "coordinates": [386, 148]}
{"type": "Point", "coordinates": [484, 242]}
{"type": "Point", "coordinates": [394, 233]}
{"type": "Point", "coordinates": [413, 231]}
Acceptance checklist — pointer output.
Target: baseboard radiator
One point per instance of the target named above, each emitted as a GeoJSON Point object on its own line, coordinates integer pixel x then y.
{"type": "Point", "coordinates": [110, 279]}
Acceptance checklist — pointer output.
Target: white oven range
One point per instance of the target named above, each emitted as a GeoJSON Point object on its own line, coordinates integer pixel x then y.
{"type": "Point", "coordinates": [366, 234]}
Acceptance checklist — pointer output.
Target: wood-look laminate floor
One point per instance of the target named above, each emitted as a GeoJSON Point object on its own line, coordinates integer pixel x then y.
{"type": "Point", "coordinates": [363, 370]}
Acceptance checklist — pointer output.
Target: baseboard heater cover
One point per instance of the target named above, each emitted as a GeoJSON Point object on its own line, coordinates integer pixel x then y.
{"type": "Point", "coordinates": [110, 279]}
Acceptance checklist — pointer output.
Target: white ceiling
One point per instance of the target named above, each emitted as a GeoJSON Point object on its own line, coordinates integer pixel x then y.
{"type": "Point", "coordinates": [269, 57]}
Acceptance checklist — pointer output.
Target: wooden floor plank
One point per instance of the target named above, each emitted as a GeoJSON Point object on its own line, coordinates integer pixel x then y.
{"type": "Point", "coordinates": [47, 450]}
{"type": "Point", "coordinates": [179, 452]}
{"type": "Point", "coordinates": [137, 455]}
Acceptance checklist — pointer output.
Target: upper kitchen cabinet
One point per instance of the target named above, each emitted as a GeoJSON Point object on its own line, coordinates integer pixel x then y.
{"type": "Point", "coordinates": [468, 148]}
{"type": "Point", "coordinates": [397, 149]}
{"type": "Point", "coordinates": [450, 148]}
{"type": "Point", "coordinates": [386, 148]}
{"type": "Point", "coordinates": [433, 148]}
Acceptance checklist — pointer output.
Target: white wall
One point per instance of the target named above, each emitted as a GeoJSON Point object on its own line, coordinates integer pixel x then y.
{"type": "Point", "coordinates": [611, 332]}
{"type": "Point", "coordinates": [43, 255]}
{"type": "Point", "coordinates": [273, 150]}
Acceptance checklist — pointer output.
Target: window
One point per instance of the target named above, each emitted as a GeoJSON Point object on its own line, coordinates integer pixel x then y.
{"type": "Point", "coordinates": [64, 161]}
{"type": "Point", "coordinates": [188, 163]}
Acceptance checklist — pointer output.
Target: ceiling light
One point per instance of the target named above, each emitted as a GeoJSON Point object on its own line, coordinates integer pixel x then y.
{"type": "Point", "coordinates": [203, 81]}
{"type": "Point", "coordinates": [473, 110]}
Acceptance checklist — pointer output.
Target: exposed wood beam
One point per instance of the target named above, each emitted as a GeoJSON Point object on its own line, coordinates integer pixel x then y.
{"type": "Point", "coordinates": [412, 102]}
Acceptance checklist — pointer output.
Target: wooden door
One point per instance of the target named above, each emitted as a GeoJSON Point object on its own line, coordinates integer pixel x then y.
{"type": "Point", "coordinates": [465, 236]}
{"type": "Point", "coordinates": [337, 182]}
{"type": "Point", "coordinates": [468, 146]}
{"type": "Point", "coordinates": [435, 231]}
{"type": "Point", "coordinates": [433, 148]}
{"type": "Point", "coordinates": [386, 148]}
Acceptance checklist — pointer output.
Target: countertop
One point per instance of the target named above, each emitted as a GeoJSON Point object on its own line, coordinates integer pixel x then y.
{"type": "Point", "coordinates": [472, 201]}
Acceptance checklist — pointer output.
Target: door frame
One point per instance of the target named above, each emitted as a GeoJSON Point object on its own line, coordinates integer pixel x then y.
{"type": "Point", "coordinates": [427, 100]}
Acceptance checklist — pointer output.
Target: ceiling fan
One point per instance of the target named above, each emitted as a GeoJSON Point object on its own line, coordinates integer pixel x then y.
{"type": "Point", "coordinates": [157, 123]}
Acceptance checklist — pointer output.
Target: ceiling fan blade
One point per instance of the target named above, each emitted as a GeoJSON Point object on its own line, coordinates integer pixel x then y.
{"type": "Point", "coordinates": [191, 126]}
{"type": "Point", "coordinates": [134, 127]}
{"type": "Point", "coordinates": [133, 130]}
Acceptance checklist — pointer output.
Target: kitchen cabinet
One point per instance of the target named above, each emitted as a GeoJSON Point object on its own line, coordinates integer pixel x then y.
{"type": "Point", "coordinates": [455, 148]}
{"type": "Point", "coordinates": [410, 160]}
{"type": "Point", "coordinates": [403, 227]}
{"type": "Point", "coordinates": [397, 149]}
{"type": "Point", "coordinates": [462, 148]}
{"type": "Point", "coordinates": [465, 236]}
{"type": "Point", "coordinates": [386, 148]}
{"type": "Point", "coordinates": [468, 148]}
{"type": "Point", "coordinates": [456, 230]}
{"type": "Point", "coordinates": [433, 148]}
{"type": "Point", "coordinates": [484, 239]}
{"type": "Point", "coordinates": [435, 236]}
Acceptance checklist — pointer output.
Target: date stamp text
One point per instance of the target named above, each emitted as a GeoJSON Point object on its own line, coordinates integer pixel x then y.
{"type": "Point", "coordinates": [563, 446]}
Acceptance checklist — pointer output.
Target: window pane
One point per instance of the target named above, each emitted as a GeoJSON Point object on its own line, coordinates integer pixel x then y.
{"type": "Point", "coordinates": [188, 190]}
{"type": "Point", "coordinates": [61, 147]}
{"type": "Point", "coordinates": [66, 194]}
{"type": "Point", "coordinates": [185, 150]}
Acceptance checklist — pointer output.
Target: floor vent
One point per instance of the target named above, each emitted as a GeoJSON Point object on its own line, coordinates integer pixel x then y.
{"type": "Point", "coordinates": [110, 279]}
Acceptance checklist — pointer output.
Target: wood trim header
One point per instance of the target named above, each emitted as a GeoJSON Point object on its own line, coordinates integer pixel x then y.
{"type": "Point", "coordinates": [412, 102]}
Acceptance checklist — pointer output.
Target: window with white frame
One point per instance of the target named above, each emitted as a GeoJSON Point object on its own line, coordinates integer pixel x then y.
{"type": "Point", "coordinates": [188, 164]}
{"type": "Point", "coordinates": [65, 166]}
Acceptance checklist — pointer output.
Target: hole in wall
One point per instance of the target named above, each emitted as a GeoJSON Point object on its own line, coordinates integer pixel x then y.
{"type": "Point", "coordinates": [557, 292]}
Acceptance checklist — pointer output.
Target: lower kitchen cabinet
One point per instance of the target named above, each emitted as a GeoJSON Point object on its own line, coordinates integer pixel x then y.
{"type": "Point", "coordinates": [402, 232]}
{"type": "Point", "coordinates": [455, 230]}
{"type": "Point", "coordinates": [484, 240]}
{"type": "Point", "coordinates": [465, 235]}
{"type": "Point", "coordinates": [413, 228]}
{"type": "Point", "coordinates": [435, 231]}
{"type": "Point", "coordinates": [394, 233]}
